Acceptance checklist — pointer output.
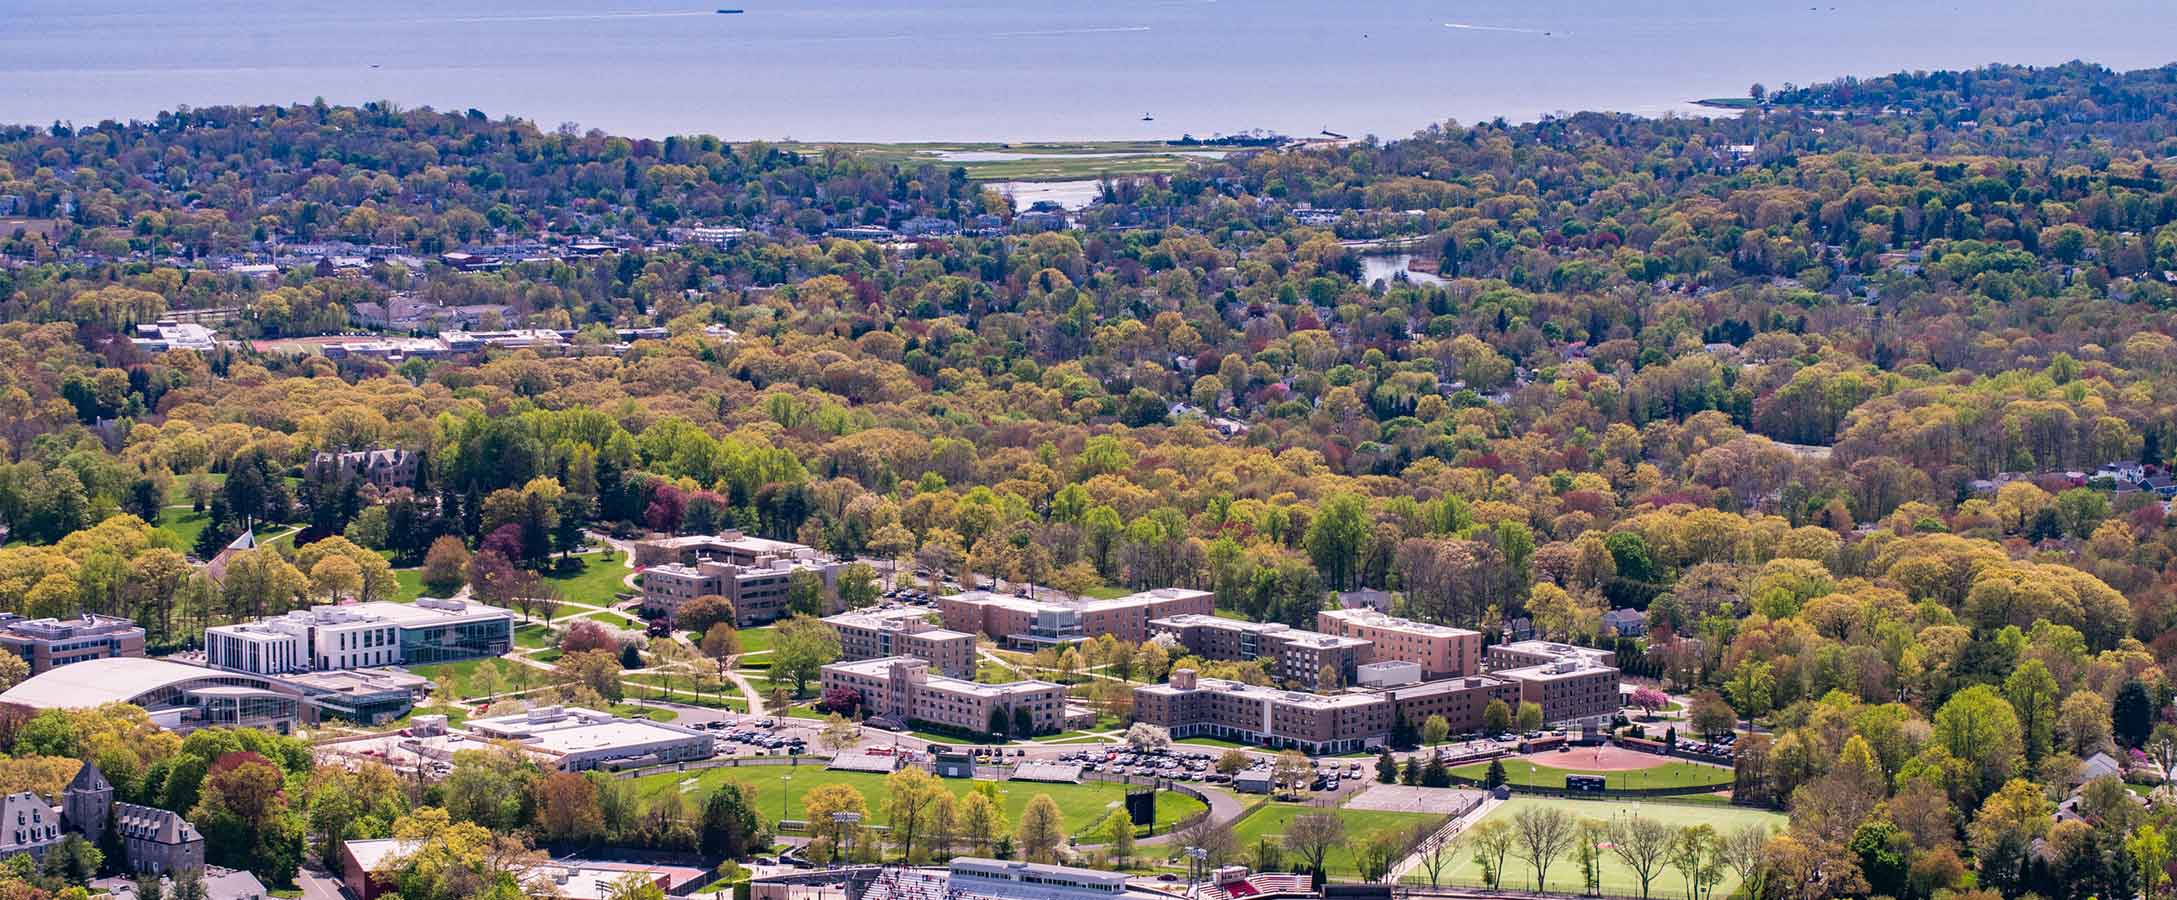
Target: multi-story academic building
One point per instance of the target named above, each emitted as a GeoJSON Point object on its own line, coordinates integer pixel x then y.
{"type": "Point", "coordinates": [45, 643]}
{"type": "Point", "coordinates": [361, 635]}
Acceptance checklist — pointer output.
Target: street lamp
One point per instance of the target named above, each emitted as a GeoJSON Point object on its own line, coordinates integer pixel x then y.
{"type": "Point", "coordinates": [783, 779]}
{"type": "Point", "coordinates": [846, 822]}
{"type": "Point", "coordinates": [1197, 862]}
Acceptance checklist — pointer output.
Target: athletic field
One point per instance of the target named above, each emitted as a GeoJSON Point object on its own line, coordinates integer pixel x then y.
{"type": "Point", "coordinates": [1565, 874]}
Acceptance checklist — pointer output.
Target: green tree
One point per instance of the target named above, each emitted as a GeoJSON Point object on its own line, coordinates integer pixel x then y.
{"type": "Point", "coordinates": [1041, 829]}
{"type": "Point", "coordinates": [1530, 715]}
{"type": "Point", "coordinates": [1336, 537]}
{"type": "Point", "coordinates": [801, 649]}
{"type": "Point", "coordinates": [1497, 717]}
{"type": "Point", "coordinates": [1434, 730]}
{"type": "Point", "coordinates": [2032, 692]}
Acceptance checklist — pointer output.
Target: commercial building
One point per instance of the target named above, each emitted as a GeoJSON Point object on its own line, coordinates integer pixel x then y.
{"type": "Point", "coordinates": [904, 631]}
{"type": "Point", "coordinates": [903, 689]}
{"type": "Point", "coordinates": [386, 468]}
{"type": "Point", "coordinates": [752, 573]}
{"type": "Point", "coordinates": [1191, 706]}
{"type": "Point", "coordinates": [361, 635]}
{"type": "Point", "coordinates": [981, 877]}
{"type": "Point", "coordinates": [1441, 650]}
{"type": "Point", "coordinates": [179, 697]}
{"type": "Point", "coordinates": [1300, 656]}
{"type": "Point", "coordinates": [45, 643]}
{"type": "Point", "coordinates": [575, 739]}
{"type": "Point", "coordinates": [1025, 623]}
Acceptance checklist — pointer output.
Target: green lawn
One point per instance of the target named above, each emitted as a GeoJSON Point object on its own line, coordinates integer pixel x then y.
{"type": "Point", "coordinates": [1081, 805]}
{"type": "Point", "coordinates": [611, 618]}
{"type": "Point", "coordinates": [1214, 742]}
{"type": "Point", "coordinates": [463, 672]}
{"type": "Point", "coordinates": [757, 640]}
{"type": "Point", "coordinates": [177, 494]}
{"type": "Point", "coordinates": [184, 525]}
{"type": "Point", "coordinates": [1106, 592]}
{"type": "Point", "coordinates": [634, 711]}
{"type": "Point", "coordinates": [595, 582]}
{"type": "Point", "coordinates": [534, 637]}
{"type": "Point", "coordinates": [1565, 875]}
{"type": "Point", "coordinates": [409, 584]}
{"type": "Point", "coordinates": [1525, 773]}
{"type": "Point", "coordinates": [1270, 821]}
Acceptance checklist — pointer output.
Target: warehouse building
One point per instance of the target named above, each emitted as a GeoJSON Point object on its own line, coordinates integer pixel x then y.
{"type": "Point", "coordinates": [575, 739]}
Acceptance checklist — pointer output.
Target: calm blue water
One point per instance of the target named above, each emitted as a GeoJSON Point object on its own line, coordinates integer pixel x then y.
{"type": "Point", "coordinates": [996, 70]}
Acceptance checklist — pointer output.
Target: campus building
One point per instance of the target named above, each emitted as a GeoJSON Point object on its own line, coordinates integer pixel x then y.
{"type": "Point", "coordinates": [45, 643]}
{"type": "Point", "coordinates": [1191, 706]}
{"type": "Point", "coordinates": [903, 689]}
{"type": "Point", "coordinates": [1521, 654]}
{"type": "Point", "coordinates": [1441, 650]}
{"type": "Point", "coordinates": [1571, 690]}
{"type": "Point", "coordinates": [903, 631]}
{"type": "Point", "coordinates": [1461, 701]}
{"type": "Point", "coordinates": [1025, 623]}
{"type": "Point", "coordinates": [752, 573]}
{"type": "Point", "coordinates": [1316, 723]}
{"type": "Point", "coordinates": [361, 635]}
{"type": "Point", "coordinates": [179, 697]}
{"type": "Point", "coordinates": [979, 877]}
{"type": "Point", "coordinates": [151, 840]}
{"type": "Point", "coordinates": [386, 468]}
{"type": "Point", "coordinates": [1302, 657]}
{"type": "Point", "coordinates": [573, 739]}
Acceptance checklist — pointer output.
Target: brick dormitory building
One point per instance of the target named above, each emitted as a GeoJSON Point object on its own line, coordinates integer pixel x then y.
{"type": "Point", "coordinates": [1023, 623]}
{"type": "Point", "coordinates": [1570, 684]}
{"type": "Point", "coordinates": [752, 573]}
{"type": "Point", "coordinates": [904, 689]}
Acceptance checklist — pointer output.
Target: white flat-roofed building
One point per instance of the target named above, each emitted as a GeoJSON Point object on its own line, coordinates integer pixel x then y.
{"type": "Point", "coordinates": [578, 739]}
{"type": "Point", "coordinates": [1037, 881]}
{"type": "Point", "coordinates": [1389, 673]}
{"type": "Point", "coordinates": [361, 635]}
{"type": "Point", "coordinates": [170, 335]}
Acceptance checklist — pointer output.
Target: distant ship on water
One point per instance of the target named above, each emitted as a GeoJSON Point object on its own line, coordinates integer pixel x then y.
{"type": "Point", "coordinates": [730, 12]}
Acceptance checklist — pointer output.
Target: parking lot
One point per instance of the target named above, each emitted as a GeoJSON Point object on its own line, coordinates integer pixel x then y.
{"type": "Point", "coordinates": [1183, 764]}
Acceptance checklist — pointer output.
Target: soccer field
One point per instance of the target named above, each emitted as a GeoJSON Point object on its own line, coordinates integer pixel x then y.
{"type": "Point", "coordinates": [1616, 878]}
{"type": "Point", "coordinates": [1530, 773]}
